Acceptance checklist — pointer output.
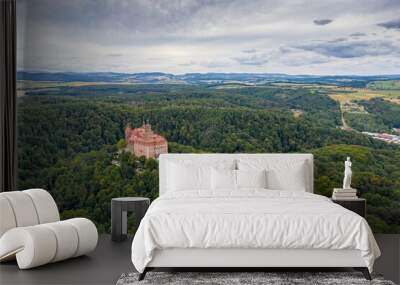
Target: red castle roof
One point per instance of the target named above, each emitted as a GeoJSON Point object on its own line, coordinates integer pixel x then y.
{"type": "Point", "coordinates": [143, 135]}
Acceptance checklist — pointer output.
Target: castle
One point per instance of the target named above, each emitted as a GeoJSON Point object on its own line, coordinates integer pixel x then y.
{"type": "Point", "coordinates": [144, 142]}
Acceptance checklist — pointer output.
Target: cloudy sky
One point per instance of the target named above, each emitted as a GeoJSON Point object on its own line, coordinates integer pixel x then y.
{"type": "Point", "coordinates": [181, 36]}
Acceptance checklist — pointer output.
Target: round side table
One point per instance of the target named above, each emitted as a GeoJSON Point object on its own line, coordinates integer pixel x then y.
{"type": "Point", "coordinates": [119, 208]}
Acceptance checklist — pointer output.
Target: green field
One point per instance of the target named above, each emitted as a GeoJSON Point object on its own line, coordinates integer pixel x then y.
{"type": "Point", "coordinates": [384, 85]}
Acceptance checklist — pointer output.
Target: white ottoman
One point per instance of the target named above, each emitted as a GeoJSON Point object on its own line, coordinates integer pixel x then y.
{"type": "Point", "coordinates": [32, 243]}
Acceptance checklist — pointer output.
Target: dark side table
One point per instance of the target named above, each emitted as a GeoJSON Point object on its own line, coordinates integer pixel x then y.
{"type": "Point", "coordinates": [119, 217]}
{"type": "Point", "coordinates": [357, 205]}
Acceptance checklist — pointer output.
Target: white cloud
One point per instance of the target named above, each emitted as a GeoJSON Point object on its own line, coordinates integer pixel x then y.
{"type": "Point", "coordinates": [291, 36]}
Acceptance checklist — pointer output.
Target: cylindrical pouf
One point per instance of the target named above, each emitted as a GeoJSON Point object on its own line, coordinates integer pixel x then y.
{"type": "Point", "coordinates": [87, 235]}
{"type": "Point", "coordinates": [7, 218]}
{"type": "Point", "coordinates": [33, 246]}
{"type": "Point", "coordinates": [23, 208]}
{"type": "Point", "coordinates": [67, 240]}
{"type": "Point", "coordinates": [37, 245]}
{"type": "Point", "coordinates": [45, 205]}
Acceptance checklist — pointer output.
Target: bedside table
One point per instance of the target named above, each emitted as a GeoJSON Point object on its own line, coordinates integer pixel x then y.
{"type": "Point", "coordinates": [358, 206]}
{"type": "Point", "coordinates": [119, 208]}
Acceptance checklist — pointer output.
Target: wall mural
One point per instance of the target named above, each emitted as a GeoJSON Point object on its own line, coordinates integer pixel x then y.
{"type": "Point", "coordinates": [105, 86]}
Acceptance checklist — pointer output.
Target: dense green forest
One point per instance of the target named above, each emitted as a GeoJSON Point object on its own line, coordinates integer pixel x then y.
{"type": "Point", "coordinates": [69, 141]}
{"type": "Point", "coordinates": [388, 113]}
{"type": "Point", "coordinates": [365, 122]}
{"type": "Point", "coordinates": [381, 116]}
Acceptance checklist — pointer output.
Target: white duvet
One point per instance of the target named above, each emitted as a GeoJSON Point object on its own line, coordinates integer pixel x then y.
{"type": "Point", "coordinates": [250, 219]}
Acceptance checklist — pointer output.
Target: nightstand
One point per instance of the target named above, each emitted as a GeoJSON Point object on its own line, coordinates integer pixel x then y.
{"type": "Point", "coordinates": [358, 205]}
{"type": "Point", "coordinates": [119, 219]}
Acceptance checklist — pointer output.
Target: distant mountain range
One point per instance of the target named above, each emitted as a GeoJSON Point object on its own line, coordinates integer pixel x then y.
{"type": "Point", "coordinates": [202, 78]}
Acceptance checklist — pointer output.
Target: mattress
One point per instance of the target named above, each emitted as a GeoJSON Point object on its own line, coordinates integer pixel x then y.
{"type": "Point", "coordinates": [251, 219]}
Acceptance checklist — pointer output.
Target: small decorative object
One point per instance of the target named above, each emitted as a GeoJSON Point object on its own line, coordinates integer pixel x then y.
{"type": "Point", "coordinates": [347, 174]}
{"type": "Point", "coordinates": [346, 192]}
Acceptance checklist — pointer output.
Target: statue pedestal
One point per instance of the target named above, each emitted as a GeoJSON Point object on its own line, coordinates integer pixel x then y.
{"type": "Point", "coordinates": [340, 193]}
{"type": "Point", "coordinates": [350, 190]}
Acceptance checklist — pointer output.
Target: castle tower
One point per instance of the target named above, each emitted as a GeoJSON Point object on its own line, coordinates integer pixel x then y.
{"type": "Point", "coordinates": [147, 130]}
{"type": "Point", "coordinates": [144, 142]}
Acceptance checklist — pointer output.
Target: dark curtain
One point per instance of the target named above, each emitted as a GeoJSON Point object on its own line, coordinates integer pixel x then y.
{"type": "Point", "coordinates": [8, 159]}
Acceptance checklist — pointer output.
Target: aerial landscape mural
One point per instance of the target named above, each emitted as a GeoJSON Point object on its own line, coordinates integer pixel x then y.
{"type": "Point", "coordinates": [105, 86]}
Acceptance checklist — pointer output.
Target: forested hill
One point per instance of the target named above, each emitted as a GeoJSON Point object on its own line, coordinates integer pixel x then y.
{"type": "Point", "coordinates": [70, 141]}
{"type": "Point", "coordinates": [203, 78]}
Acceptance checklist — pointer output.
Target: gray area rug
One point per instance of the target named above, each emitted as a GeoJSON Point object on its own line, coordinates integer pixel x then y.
{"type": "Point", "coordinates": [228, 278]}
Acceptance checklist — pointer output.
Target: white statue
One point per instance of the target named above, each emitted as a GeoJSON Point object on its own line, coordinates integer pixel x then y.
{"type": "Point", "coordinates": [347, 174]}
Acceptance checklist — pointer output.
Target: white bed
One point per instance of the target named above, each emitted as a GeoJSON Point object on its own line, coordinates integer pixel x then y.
{"type": "Point", "coordinates": [280, 225]}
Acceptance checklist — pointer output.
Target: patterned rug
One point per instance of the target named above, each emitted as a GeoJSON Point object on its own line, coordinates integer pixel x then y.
{"type": "Point", "coordinates": [243, 278]}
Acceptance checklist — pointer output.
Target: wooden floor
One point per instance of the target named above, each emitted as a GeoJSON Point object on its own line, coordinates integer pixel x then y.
{"type": "Point", "coordinates": [110, 260]}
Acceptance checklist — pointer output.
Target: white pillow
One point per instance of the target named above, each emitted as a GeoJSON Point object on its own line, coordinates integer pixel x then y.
{"type": "Point", "coordinates": [188, 177]}
{"type": "Point", "coordinates": [251, 178]}
{"type": "Point", "coordinates": [282, 174]}
{"type": "Point", "coordinates": [295, 180]}
{"type": "Point", "coordinates": [223, 179]}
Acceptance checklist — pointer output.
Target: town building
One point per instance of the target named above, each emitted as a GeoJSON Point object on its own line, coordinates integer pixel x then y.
{"type": "Point", "coordinates": [389, 138]}
{"type": "Point", "coordinates": [144, 142]}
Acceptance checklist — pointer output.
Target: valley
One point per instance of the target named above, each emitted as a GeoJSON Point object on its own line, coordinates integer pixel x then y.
{"type": "Point", "coordinates": [69, 132]}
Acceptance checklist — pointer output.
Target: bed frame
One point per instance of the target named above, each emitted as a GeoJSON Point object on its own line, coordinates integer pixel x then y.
{"type": "Point", "coordinates": [246, 259]}
{"type": "Point", "coordinates": [249, 259]}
